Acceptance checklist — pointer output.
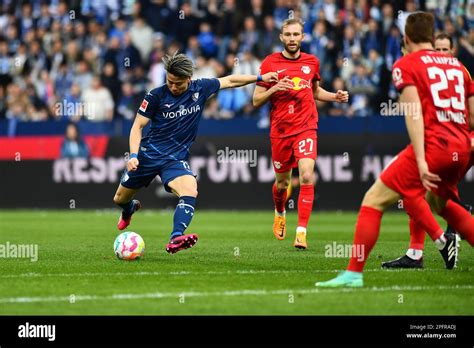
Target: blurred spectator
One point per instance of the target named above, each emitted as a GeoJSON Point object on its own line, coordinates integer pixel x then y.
{"type": "Point", "coordinates": [72, 103]}
{"type": "Point", "coordinates": [338, 109]}
{"type": "Point", "coordinates": [109, 79]}
{"type": "Point", "coordinates": [247, 64]}
{"type": "Point", "coordinates": [17, 103]}
{"type": "Point", "coordinates": [142, 36]}
{"type": "Point", "coordinates": [157, 74]}
{"type": "Point", "coordinates": [83, 75]}
{"type": "Point", "coordinates": [269, 39]}
{"type": "Point", "coordinates": [249, 37]}
{"type": "Point", "coordinates": [188, 24]}
{"type": "Point", "coordinates": [373, 38]}
{"type": "Point", "coordinates": [466, 50]}
{"type": "Point", "coordinates": [361, 89]}
{"type": "Point", "coordinates": [131, 55]}
{"type": "Point", "coordinates": [6, 66]}
{"type": "Point", "coordinates": [118, 30]}
{"type": "Point", "coordinates": [51, 49]}
{"type": "Point", "coordinates": [159, 15]}
{"type": "Point", "coordinates": [392, 50]}
{"type": "Point", "coordinates": [231, 101]}
{"type": "Point", "coordinates": [73, 146]}
{"type": "Point", "coordinates": [257, 12]}
{"type": "Point", "coordinates": [63, 80]}
{"type": "Point", "coordinates": [204, 69]}
{"type": "Point", "coordinates": [387, 18]}
{"type": "Point", "coordinates": [45, 87]}
{"type": "Point", "coordinates": [318, 46]}
{"type": "Point", "coordinates": [140, 81]}
{"type": "Point", "coordinates": [193, 49]}
{"type": "Point", "coordinates": [230, 19]}
{"type": "Point", "coordinates": [128, 103]}
{"type": "Point", "coordinates": [350, 41]}
{"type": "Point", "coordinates": [207, 40]}
{"type": "Point", "coordinates": [98, 102]}
{"type": "Point", "coordinates": [281, 12]}
{"type": "Point", "coordinates": [375, 66]}
{"type": "Point", "coordinates": [114, 53]}
{"type": "Point", "coordinates": [3, 104]}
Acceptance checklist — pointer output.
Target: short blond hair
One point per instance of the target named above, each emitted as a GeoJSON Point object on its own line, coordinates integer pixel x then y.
{"type": "Point", "coordinates": [290, 21]}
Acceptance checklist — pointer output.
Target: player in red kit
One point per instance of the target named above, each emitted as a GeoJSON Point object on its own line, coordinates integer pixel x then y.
{"type": "Point", "coordinates": [435, 95]}
{"type": "Point", "coordinates": [414, 255]}
{"type": "Point", "coordinates": [294, 122]}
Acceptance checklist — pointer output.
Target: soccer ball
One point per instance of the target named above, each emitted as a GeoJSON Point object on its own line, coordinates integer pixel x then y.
{"type": "Point", "coordinates": [129, 246]}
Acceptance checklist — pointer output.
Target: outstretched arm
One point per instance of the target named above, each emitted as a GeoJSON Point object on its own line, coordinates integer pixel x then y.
{"type": "Point", "coordinates": [410, 100]}
{"type": "Point", "coordinates": [237, 80]}
{"type": "Point", "coordinates": [135, 137]}
{"type": "Point", "coordinates": [262, 94]}
{"type": "Point", "coordinates": [471, 112]}
{"type": "Point", "coordinates": [322, 95]}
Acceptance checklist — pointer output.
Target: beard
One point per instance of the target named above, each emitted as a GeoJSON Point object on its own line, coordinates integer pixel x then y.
{"type": "Point", "coordinates": [294, 49]}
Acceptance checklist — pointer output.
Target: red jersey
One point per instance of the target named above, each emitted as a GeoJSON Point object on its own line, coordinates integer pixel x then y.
{"type": "Point", "coordinates": [471, 92]}
{"type": "Point", "coordinates": [444, 86]}
{"type": "Point", "coordinates": [292, 111]}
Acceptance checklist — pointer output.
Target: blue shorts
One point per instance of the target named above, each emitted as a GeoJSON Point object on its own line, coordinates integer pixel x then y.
{"type": "Point", "coordinates": [147, 170]}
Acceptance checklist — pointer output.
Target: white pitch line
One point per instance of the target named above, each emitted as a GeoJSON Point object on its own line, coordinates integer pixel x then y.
{"type": "Point", "coordinates": [183, 273]}
{"type": "Point", "coordinates": [246, 292]}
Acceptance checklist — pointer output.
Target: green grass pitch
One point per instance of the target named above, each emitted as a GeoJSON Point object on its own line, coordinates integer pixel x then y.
{"type": "Point", "coordinates": [236, 268]}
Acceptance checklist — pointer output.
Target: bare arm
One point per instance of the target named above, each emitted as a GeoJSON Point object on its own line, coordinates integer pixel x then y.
{"type": "Point", "coordinates": [261, 94]}
{"type": "Point", "coordinates": [471, 112]}
{"type": "Point", "coordinates": [322, 95]}
{"type": "Point", "coordinates": [237, 80]}
{"type": "Point", "coordinates": [135, 137]}
{"type": "Point", "coordinates": [410, 101]}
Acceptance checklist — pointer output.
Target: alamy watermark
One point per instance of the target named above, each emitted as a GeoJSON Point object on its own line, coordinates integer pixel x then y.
{"type": "Point", "coordinates": [396, 108]}
{"type": "Point", "coordinates": [14, 251]}
{"type": "Point", "coordinates": [66, 108]}
{"type": "Point", "coordinates": [337, 250]}
{"type": "Point", "coordinates": [228, 155]}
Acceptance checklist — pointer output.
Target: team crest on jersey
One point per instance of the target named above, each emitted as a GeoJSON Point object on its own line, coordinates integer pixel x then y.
{"type": "Point", "coordinates": [306, 69]}
{"type": "Point", "coordinates": [196, 96]}
{"type": "Point", "coordinates": [277, 164]}
{"type": "Point", "coordinates": [397, 75]}
{"type": "Point", "coordinates": [144, 105]}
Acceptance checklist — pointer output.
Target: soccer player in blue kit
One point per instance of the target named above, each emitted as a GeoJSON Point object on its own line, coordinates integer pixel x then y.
{"type": "Point", "coordinates": [174, 110]}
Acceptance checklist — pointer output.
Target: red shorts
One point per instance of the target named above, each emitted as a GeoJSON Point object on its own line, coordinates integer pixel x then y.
{"type": "Point", "coordinates": [402, 175]}
{"type": "Point", "coordinates": [286, 152]}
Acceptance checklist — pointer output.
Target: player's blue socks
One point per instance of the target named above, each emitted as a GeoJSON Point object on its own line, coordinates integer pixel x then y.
{"type": "Point", "coordinates": [128, 208]}
{"type": "Point", "coordinates": [183, 215]}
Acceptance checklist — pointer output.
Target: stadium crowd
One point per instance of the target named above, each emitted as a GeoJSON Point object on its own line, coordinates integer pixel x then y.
{"type": "Point", "coordinates": [70, 59]}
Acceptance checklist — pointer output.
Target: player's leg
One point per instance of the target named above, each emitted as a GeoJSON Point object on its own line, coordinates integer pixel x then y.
{"type": "Point", "coordinates": [305, 200]}
{"type": "Point", "coordinates": [185, 187]}
{"type": "Point", "coordinates": [455, 214]}
{"type": "Point", "coordinates": [282, 159]}
{"type": "Point", "coordinates": [305, 152]}
{"type": "Point", "coordinates": [124, 199]}
{"type": "Point", "coordinates": [376, 200]}
{"type": "Point", "coordinates": [401, 177]}
{"type": "Point", "coordinates": [280, 192]}
{"type": "Point", "coordinates": [414, 255]}
{"type": "Point", "coordinates": [451, 229]}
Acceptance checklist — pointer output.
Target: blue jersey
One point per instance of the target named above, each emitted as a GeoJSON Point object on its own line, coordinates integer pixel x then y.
{"type": "Point", "coordinates": [174, 119]}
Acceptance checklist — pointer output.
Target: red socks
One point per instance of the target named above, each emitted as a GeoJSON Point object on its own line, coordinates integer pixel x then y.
{"type": "Point", "coordinates": [305, 204]}
{"type": "Point", "coordinates": [460, 220]}
{"type": "Point", "coordinates": [419, 209]}
{"type": "Point", "coordinates": [417, 236]}
{"type": "Point", "coordinates": [279, 197]}
{"type": "Point", "coordinates": [366, 235]}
